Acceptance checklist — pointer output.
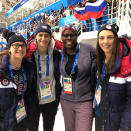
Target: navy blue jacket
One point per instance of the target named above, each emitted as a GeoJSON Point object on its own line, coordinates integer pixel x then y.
{"type": "Point", "coordinates": [34, 91]}
{"type": "Point", "coordinates": [8, 93]}
{"type": "Point", "coordinates": [115, 102]}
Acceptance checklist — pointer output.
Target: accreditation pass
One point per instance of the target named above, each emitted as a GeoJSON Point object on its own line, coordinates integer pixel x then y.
{"type": "Point", "coordinates": [67, 85]}
{"type": "Point", "coordinates": [45, 90]}
{"type": "Point", "coordinates": [20, 111]}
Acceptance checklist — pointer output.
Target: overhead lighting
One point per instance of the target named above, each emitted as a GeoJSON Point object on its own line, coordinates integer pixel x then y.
{"type": "Point", "coordinates": [0, 6]}
{"type": "Point", "coordinates": [28, 5]}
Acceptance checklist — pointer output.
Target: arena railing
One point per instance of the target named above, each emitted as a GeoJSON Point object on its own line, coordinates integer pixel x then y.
{"type": "Point", "coordinates": [124, 17]}
{"type": "Point", "coordinates": [119, 14]}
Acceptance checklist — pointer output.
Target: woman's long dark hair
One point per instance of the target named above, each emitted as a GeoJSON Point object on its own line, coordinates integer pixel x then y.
{"type": "Point", "coordinates": [101, 56]}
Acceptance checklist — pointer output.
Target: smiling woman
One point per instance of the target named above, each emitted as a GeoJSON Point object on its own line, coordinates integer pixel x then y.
{"type": "Point", "coordinates": [106, 43]}
{"type": "Point", "coordinates": [77, 72]}
{"type": "Point", "coordinates": [15, 52]}
{"type": "Point", "coordinates": [15, 83]}
{"type": "Point", "coordinates": [113, 93]}
{"type": "Point", "coordinates": [47, 83]}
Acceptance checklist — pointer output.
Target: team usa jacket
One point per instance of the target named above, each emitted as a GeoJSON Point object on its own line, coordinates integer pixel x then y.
{"type": "Point", "coordinates": [9, 93]}
{"type": "Point", "coordinates": [115, 102]}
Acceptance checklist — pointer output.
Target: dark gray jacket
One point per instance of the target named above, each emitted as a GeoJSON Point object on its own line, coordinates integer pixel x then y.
{"type": "Point", "coordinates": [81, 86]}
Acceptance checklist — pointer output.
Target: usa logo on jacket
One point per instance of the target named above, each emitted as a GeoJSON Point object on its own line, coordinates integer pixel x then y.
{"type": "Point", "coordinates": [5, 82]}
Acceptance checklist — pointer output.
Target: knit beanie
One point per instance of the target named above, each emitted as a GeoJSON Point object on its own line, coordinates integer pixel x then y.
{"type": "Point", "coordinates": [69, 27]}
{"type": "Point", "coordinates": [5, 32]}
{"type": "Point", "coordinates": [42, 27]}
{"type": "Point", "coordinates": [11, 37]}
{"type": "Point", "coordinates": [114, 28]}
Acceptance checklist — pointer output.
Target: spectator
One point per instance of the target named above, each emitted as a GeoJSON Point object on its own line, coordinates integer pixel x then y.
{"type": "Point", "coordinates": [42, 17]}
{"type": "Point", "coordinates": [51, 19]}
{"type": "Point", "coordinates": [66, 12]}
{"type": "Point", "coordinates": [28, 34]}
{"type": "Point", "coordinates": [79, 5]}
{"type": "Point", "coordinates": [62, 10]}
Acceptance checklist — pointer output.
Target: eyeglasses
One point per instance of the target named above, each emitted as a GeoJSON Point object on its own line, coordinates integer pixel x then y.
{"type": "Point", "coordinates": [16, 46]}
{"type": "Point", "coordinates": [67, 35]}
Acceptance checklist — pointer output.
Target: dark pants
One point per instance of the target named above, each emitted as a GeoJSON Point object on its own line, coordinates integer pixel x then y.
{"type": "Point", "coordinates": [48, 111]}
{"type": "Point", "coordinates": [22, 126]}
{"type": "Point", "coordinates": [98, 123]}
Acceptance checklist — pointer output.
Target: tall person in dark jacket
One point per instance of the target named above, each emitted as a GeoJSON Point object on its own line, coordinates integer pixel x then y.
{"type": "Point", "coordinates": [113, 94]}
{"type": "Point", "coordinates": [47, 85]}
{"type": "Point", "coordinates": [77, 92]}
{"type": "Point", "coordinates": [16, 74]}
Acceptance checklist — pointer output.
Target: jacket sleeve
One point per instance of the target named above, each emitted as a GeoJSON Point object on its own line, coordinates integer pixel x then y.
{"type": "Point", "coordinates": [93, 72]}
{"type": "Point", "coordinates": [31, 98]}
{"type": "Point", "coordinates": [31, 47]}
{"type": "Point", "coordinates": [126, 117]}
{"type": "Point", "coordinates": [57, 74]}
{"type": "Point", "coordinates": [7, 109]}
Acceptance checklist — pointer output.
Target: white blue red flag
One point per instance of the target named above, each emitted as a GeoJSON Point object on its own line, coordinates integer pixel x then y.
{"type": "Point", "coordinates": [91, 10]}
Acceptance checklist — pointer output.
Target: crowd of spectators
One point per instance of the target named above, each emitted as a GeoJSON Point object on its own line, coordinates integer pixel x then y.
{"type": "Point", "coordinates": [50, 17]}
{"type": "Point", "coordinates": [53, 18]}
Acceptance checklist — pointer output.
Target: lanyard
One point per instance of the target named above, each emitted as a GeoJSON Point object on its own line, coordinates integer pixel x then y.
{"type": "Point", "coordinates": [23, 74]}
{"type": "Point", "coordinates": [47, 65]}
{"type": "Point", "coordinates": [103, 71]}
{"type": "Point", "coordinates": [75, 61]}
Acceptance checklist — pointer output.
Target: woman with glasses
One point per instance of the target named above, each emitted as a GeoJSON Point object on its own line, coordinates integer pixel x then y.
{"type": "Point", "coordinates": [16, 74]}
{"type": "Point", "coordinates": [113, 93]}
{"type": "Point", "coordinates": [77, 72]}
{"type": "Point", "coordinates": [47, 85]}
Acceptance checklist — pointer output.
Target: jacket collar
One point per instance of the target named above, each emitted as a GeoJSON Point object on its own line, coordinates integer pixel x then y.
{"type": "Point", "coordinates": [123, 51]}
{"type": "Point", "coordinates": [117, 65]}
{"type": "Point", "coordinates": [4, 64]}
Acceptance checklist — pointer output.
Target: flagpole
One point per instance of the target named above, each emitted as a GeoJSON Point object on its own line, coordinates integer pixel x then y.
{"type": "Point", "coordinates": [108, 11]}
{"type": "Point", "coordinates": [95, 25]}
{"type": "Point", "coordinates": [81, 26]}
{"type": "Point", "coordinates": [112, 11]}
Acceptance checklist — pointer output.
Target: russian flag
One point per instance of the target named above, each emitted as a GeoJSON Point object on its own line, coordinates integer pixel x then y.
{"type": "Point", "coordinates": [91, 10]}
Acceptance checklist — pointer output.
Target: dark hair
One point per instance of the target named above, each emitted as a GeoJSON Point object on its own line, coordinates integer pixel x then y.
{"type": "Point", "coordinates": [4, 52]}
{"type": "Point", "coordinates": [101, 56]}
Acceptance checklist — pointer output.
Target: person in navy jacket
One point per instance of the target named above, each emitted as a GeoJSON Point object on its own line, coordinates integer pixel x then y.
{"type": "Point", "coordinates": [113, 93]}
{"type": "Point", "coordinates": [47, 87]}
{"type": "Point", "coordinates": [16, 74]}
